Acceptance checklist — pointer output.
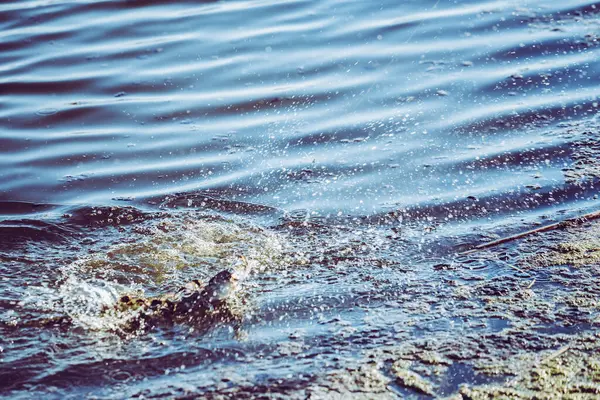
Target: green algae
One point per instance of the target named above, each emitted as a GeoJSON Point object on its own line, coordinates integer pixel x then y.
{"type": "Point", "coordinates": [425, 331]}
{"type": "Point", "coordinates": [580, 251]}
{"type": "Point", "coordinates": [571, 372]}
{"type": "Point", "coordinates": [574, 247]}
{"type": "Point", "coordinates": [410, 379]}
{"type": "Point", "coordinates": [545, 346]}
{"type": "Point", "coordinates": [363, 382]}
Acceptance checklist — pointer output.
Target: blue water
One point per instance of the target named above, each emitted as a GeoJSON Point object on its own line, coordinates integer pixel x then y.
{"type": "Point", "coordinates": [328, 111]}
{"type": "Point", "coordinates": [386, 105]}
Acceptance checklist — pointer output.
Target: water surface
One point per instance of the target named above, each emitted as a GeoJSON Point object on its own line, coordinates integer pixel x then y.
{"type": "Point", "coordinates": [346, 148]}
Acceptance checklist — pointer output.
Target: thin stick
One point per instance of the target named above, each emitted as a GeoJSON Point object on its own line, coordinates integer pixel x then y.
{"type": "Point", "coordinates": [557, 353]}
{"type": "Point", "coordinates": [531, 284]}
{"type": "Point", "coordinates": [552, 356]}
{"type": "Point", "coordinates": [516, 268]}
{"type": "Point", "coordinates": [558, 225]}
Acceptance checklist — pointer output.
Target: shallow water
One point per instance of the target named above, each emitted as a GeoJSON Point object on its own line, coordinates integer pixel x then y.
{"type": "Point", "coordinates": [347, 149]}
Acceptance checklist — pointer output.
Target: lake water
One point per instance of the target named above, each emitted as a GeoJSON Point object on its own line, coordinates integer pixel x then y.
{"type": "Point", "coordinates": [345, 148]}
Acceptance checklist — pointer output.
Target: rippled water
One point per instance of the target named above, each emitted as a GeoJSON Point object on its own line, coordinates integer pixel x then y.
{"type": "Point", "coordinates": [344, 147]}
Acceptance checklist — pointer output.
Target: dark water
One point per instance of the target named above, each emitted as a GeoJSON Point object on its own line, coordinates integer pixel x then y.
{"type": "Point", "coordinates": [344, 147]}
